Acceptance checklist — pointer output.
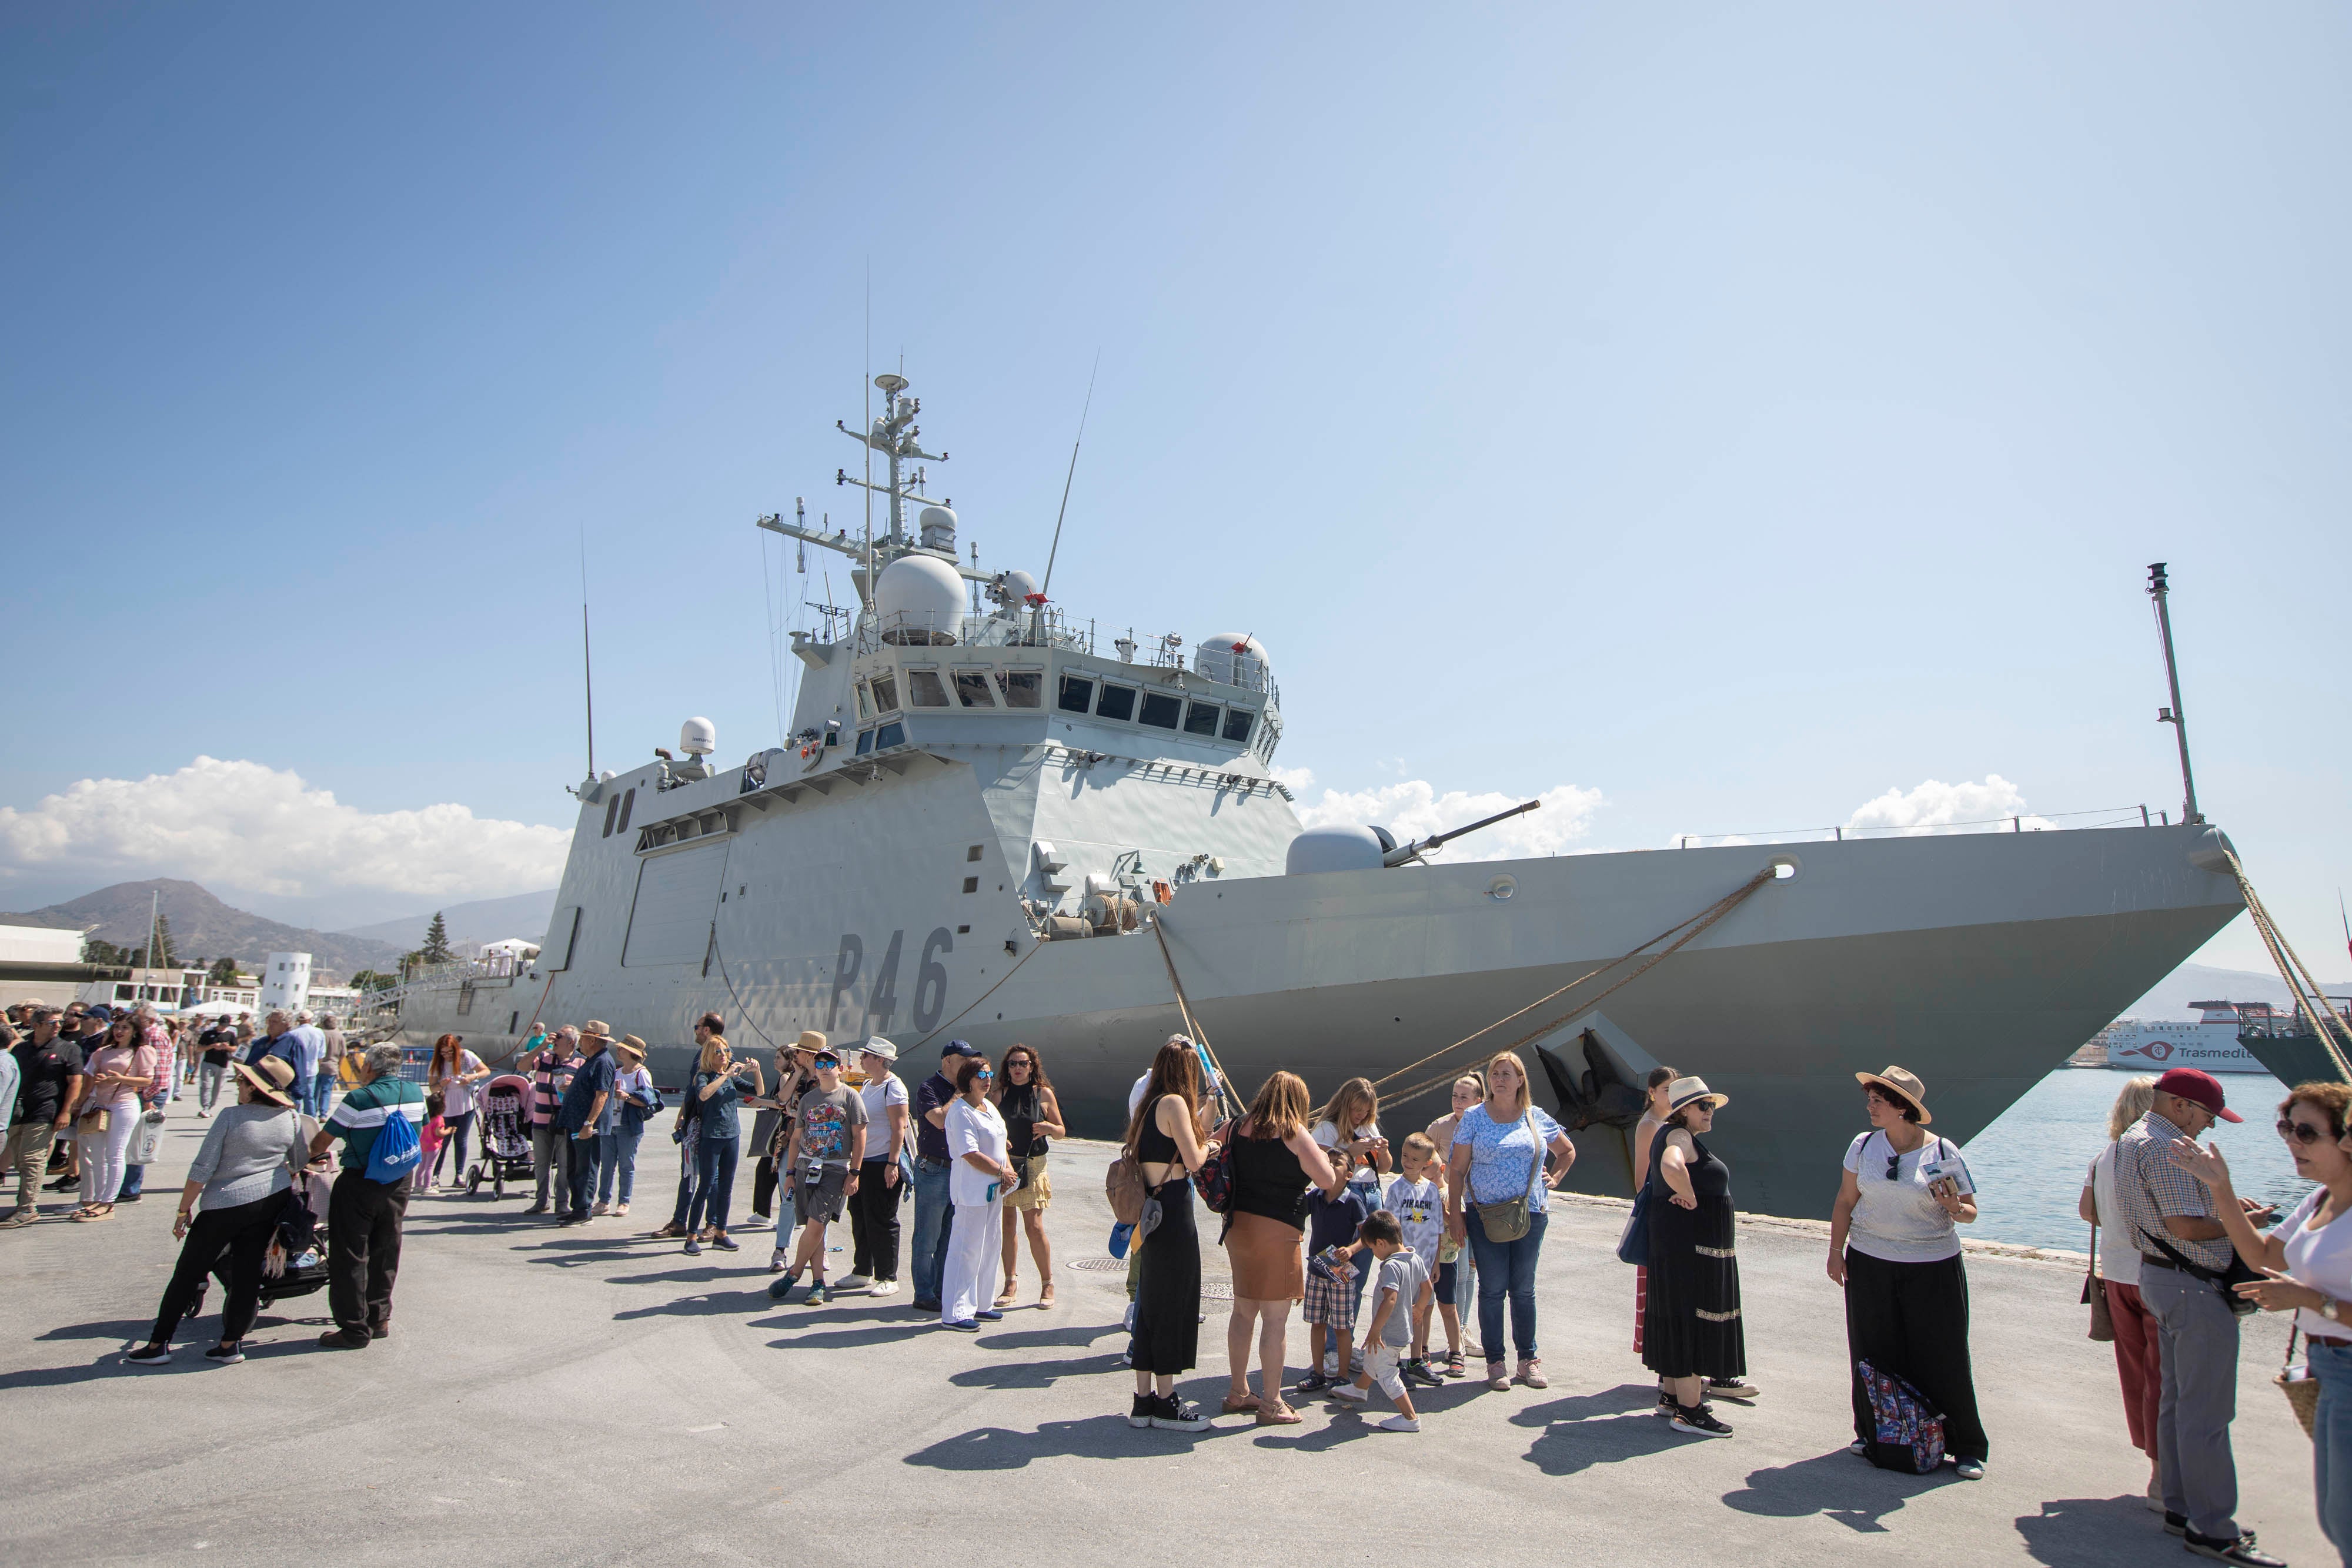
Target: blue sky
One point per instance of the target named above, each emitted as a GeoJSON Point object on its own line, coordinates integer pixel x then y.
{"type": "Point", "coordinates": [1737, 414]}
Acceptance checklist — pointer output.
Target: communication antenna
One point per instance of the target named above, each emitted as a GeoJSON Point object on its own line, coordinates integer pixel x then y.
{"type": "Point", "coordinates": [1047, 586]}
{"type": "Point", "coordinates": [587, 663]}
{"type": "Point", "coordinates": [866, 597]}
{"type": "Point", "coordinates": [2158, 588]}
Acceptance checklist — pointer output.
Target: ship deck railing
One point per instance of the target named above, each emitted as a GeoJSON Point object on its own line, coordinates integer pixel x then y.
{"type": "Point", "coordinates": [2017, 823]}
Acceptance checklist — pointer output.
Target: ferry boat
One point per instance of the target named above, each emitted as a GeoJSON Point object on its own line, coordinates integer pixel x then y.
{"type": "Point", "coordinates": [2210, 1043]}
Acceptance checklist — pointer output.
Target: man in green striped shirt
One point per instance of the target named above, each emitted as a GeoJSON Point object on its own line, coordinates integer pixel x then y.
{"type": "Point", "coordinates": [363, 1217]}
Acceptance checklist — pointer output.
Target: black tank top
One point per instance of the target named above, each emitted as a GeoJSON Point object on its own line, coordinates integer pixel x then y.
{"type": "Point", "coordinates": [1021, 1106]}
{"type": "Point", "coordinates": [1153, 1147]}
{"type": "Point", "coordinates": [1269, 1180]}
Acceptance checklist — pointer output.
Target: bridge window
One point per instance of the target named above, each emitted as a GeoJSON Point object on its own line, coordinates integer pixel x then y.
{"type": "Point", "coordinates": [864, 741]}
{"type": "Point", "coordinates": [1078, 694]}
{"type": "Point", "coordinates": [972, 688]}
{"type": "Point", "coordinates": [886, 692]}
{"type": "Point", "coordinates": [925, 688]}
{"type": "Point", "coordinates": [1022, 689]}
{"type": "Point", "coordinates": [1201, 719]}
{"type": "Point", "coordinates": [1117, 702]}
{"type": "Point", "coordinates": [889, 735]}
{"type": "Point", "coordinates": [1162, 710]}
{"type": "Point", "coordinates": [862, 710]}
{"type": "Point", "coordinates": [1237, 724]}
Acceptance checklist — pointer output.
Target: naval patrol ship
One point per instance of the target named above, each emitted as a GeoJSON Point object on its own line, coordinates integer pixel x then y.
{"type": "Point", "coordinates": [989, 826]}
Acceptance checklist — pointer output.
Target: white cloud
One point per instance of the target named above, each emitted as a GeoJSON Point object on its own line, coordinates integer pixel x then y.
{"type": "Point", "coordinates": [1414, 808]}
{"type": "Point", "coordinates": [1937, 807]}
{"type": "Point", "coordinates": [245, 825]}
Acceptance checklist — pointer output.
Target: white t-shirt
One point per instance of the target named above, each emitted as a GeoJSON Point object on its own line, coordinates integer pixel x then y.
{"type": "Point", "coordinates": [879, 1095]}
{"type": "Point", "coordinates": [2119, 1255]}
{"type": "Point", "coordinates": [973, 1130]}
{"type": "Point", "coordinates": [1327, 1134]}
{"type": "Point", "coordinates": [1900, 1221]}
{"type": "Point", "coordinates": [1135, 1094]}
{"type": "Point", "coordinates": [1420, 1209]}
{"type": "Point", "coordinates": [457, 1098]}
{"type": "Point", "coordinates": [2320, 1258]}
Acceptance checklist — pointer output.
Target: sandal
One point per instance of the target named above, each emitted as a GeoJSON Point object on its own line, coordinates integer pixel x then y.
{"type": "Point", "coordinates": [1045, 1297]}
{"type": "Point", "coordinates": [1453, 1367]}
{"type": "Point", "coordinates": [1242, 1403]}
{"type": "Point", "coordinates": [1006, 1297]}
{"type": "Point", "coordinates": [94, 1211]}
{"type": "Point", "coordinates": [1280, 1416]}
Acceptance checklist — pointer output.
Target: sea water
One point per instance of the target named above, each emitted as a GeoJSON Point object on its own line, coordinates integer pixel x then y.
{"type": "Point", "coordinates": [2030, 1165]}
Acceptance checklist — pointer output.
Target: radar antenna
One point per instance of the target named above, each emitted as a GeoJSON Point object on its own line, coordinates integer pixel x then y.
{"type": "Point", "coordinates": [1047, 585]}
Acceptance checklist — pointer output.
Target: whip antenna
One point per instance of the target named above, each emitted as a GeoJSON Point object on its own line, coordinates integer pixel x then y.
{"type": "Point", "coordinates": [587, 665]}
{"type": "Point", "coordinates": [1047, 586]}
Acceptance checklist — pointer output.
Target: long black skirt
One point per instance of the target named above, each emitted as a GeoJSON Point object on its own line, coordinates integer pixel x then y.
{"type": "Point", "coordinates": [1692, 1326]}
{"type": "Point", "coordinates": [1166, 1338]}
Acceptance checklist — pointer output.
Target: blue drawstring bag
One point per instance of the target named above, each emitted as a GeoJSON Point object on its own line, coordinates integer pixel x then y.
{"type": "Point", "coordinates": [394, 1153]}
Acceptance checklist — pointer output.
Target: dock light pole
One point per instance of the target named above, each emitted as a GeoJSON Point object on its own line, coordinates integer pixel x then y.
{"type": "Point", "coordinates": [2158, 588]}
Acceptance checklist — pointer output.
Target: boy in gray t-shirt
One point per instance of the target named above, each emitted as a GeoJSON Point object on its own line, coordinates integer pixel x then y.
{"type": "Point", "coordinates": [1400, 1293]}
{"type": "Point", "coordinates": [820, 1169]}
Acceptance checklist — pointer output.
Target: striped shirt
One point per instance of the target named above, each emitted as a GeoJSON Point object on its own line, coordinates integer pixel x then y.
{"type": "Point", "coordinates": [2149, 1187]}
{"type": "Point", "coordinates": [364, 1112]}
{"type": "Point", "coordinates": [550, 1075]}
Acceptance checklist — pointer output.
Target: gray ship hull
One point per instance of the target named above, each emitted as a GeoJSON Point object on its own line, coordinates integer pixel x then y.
{"type": "Point", "coordinates": [1979, 961]}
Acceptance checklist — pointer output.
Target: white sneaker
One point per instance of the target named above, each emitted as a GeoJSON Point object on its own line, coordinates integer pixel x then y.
{"type": "Point", "coordinates": [852, 1282]}
{"type": "Point", "coordinates": [1398, 1424]}
{"type": "Point", "coordinates": [1351, 1394]}
{"type": "Point", "coordinates": [884, 1287]}
{"type": "Point", "coordinates": [600, 1210]}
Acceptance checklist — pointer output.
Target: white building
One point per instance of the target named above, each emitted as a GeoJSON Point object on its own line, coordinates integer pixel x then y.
{"type": "Point", "coordinates": [286, 983]}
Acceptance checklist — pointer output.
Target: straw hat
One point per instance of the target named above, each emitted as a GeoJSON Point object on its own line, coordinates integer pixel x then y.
{"type": "Point", "coordinates": [1903, 1085]}
{"type": "Point", "coordinates": [875, 1045]}
{"type": "Point", "coordinates": [811, 1039]}
{"type": "Point", "coordinates": [630, 1045]}
{"type": "Point", "coordinates": [272, 1080]}
{"type": "Point", "coordinates": [595, 1026]}
{"type": "Point", "coordinates": [1686, 1092]}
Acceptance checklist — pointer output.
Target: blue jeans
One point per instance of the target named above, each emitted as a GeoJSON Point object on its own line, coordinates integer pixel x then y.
{"type": "Point", "coordinates": [134, 1180]}
{"type": "Point", "coordinates": [2331, 1446]}
{"type": "Point", "coordinates": [581, 1158]}
{"type": "Point", "coordinates": [714, 1167]}
{"type": "Point", "coordinates": [934, 1217]}
{"type": "Point", "coordinates": [616, 1155]}
{"type": "Point", "coordinates": [322, 1092]}
{"type": "Point", "coordinates": [1505, 1268]}
{"type": "Point", "coordinates": [688, 1183]}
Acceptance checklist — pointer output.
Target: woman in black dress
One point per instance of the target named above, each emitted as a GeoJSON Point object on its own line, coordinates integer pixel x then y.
{"type": "Point", "coordinates": [1164, 1137]}
{"type": "Point", "coordinates": [1033, 1118]}
{"type": "Point", "coordinates": [1693, 1334]}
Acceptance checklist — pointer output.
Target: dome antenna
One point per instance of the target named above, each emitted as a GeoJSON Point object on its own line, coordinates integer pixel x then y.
{"type": "Point", "coordinates": [1047, 585]}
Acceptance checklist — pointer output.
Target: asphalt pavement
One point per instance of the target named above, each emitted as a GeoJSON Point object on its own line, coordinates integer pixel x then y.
{"type": "Point", "coordinates": [591, 1395]}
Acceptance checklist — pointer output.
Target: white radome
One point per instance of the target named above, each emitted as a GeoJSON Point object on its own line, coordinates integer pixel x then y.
{"type": "Point", "coordinates": [919, 600]}
{"type": "Point", "coordinates": [1233, 658]}
{"type": "Point", "coordinates": [698, 737]}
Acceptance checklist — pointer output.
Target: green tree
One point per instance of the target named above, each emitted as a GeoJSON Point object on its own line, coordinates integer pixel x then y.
{"type": "Point", "coordinates": [166, 958]}
{"type": "Point", "coordinates": [436, 941]}
{"type": "Point", "coordinates": [98, 950]}
{"type": "Point", "coordinates": [223, 972]}
{"type": "Point", "coordinates": [373, 980]}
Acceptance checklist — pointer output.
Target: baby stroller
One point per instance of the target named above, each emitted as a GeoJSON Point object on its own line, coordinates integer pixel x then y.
{"type": "Point", "coordinates": [506, 1136]}
{"type": "Point", "coordinates": [297, 1261]}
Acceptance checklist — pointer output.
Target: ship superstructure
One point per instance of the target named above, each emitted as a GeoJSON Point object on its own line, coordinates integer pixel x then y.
{"type": "Point", "coordinates": [990, 825]}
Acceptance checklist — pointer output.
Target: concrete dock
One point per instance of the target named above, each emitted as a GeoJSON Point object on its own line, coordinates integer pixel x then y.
{"type": "Point", "coordinates": [589, 1395]}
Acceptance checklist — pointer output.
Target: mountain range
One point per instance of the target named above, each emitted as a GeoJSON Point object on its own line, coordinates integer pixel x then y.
{"type": "Point", "coordinates": [204, 927]}
{"type": "Point", "coordinates": [470, 926]}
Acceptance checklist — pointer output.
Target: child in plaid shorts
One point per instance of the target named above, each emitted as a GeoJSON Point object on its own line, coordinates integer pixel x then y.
{"type": "Point", "coordinates": [1333, 1247]}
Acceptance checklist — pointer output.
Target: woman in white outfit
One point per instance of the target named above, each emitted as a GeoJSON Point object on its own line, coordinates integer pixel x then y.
{"type": "Point", "coordinates": [115, 1074]}
{"type": "Point", "coordinates": [977, 1183]}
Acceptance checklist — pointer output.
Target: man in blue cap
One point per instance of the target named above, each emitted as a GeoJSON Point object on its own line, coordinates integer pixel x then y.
{"type": "Point", "coordinates": [934, 1216]}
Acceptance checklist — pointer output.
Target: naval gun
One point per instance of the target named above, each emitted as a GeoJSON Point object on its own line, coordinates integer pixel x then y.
{"type": "Point", "coordinates": [1407, 854]}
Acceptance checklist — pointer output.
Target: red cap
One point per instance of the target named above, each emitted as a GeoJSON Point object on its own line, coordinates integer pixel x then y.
{"type": "Point", "coordinates": [2188, 1084]}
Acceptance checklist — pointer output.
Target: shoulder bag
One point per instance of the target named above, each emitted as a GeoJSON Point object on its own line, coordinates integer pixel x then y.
{"type": "Point", "coordinates": [2300, 1385]}
{"type": "Point", "coordinates": [1508, 1220]}
{"type": "Point", "coordinates": [1214, 1180]}
{"type": "Point", "coordinates": [1633, 1246]}
{"type": "Point", "coordinates": [2094, 1296]}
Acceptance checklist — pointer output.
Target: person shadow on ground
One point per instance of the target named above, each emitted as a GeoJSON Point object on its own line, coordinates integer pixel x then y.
{"type": "Point", "coordinates": [1836, 1485]}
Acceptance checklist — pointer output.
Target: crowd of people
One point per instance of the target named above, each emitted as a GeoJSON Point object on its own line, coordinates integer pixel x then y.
{"type": "Point", "coordinates": [1387, 1251]}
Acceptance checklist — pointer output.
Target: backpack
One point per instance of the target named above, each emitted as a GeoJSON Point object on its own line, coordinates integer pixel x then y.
{"type": "Point", "coordinates": [396, 1150]}
{"type": "Point", "coordinates": [1909, 1431]}
{"type": "Point", "coordinates": [1214, 1180]}
{"type": "Point", "coordinates": [1123, 1185]}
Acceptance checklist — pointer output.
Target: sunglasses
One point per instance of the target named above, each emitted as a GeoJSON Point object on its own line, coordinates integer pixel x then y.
{"type": "Point", "coordinates": [2303, 1133]}
{"type": "Point", "coordinates": [983, 1077]}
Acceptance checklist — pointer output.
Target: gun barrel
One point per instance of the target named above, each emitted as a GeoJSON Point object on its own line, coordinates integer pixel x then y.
{"type": "Point", "coordinates": [1405, 854]}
